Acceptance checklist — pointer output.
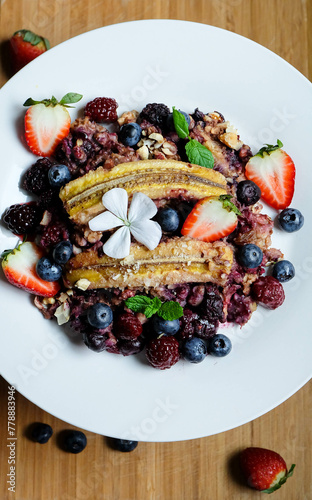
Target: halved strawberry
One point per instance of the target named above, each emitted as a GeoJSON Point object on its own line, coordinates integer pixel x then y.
{"type": "Point", "coordinates": [274, 172]}
{"type": "Point", "coordinates": [265, 470]}
{"type": "Point", "coordinates": [47, 122]}
{"type": "Point", "coordinates": [19, 266]}
{"type": "Point", "coordinates": [211, 219]}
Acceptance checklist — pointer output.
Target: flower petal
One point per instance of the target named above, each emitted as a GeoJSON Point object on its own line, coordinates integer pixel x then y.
{"type": "Point", "coordinates": [104, 222]}
{"type": "Point", "coordinates": [118, 245]}
{"type": "Point", "coordinates": [116, 201]}
{"type": "Point", "coordinates": [147, 232]}
{"type": "Point", "coordinates": [142, 207]}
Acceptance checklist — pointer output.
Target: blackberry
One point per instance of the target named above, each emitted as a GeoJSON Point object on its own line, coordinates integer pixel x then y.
{"type": "Point", "coordinates": [53, 233]}
{"type": "Point", "coordinates": [22, 218]}
{"type": "Point", "coordinates": [212, 305]}
{"type": "Point", "coordinates": [36, 178]}
{"type": "Point", "coordinates": [155, 113]}
{"type": "Point", "coordinates": [102, 109]}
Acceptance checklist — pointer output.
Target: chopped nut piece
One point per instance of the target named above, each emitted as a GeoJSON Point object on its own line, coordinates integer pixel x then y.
{"type": "Point", "coordinates": [128, 117]}
{"type": "Point", "coordinates": [82, 284]}
{"type": "Point", "coordinates": [156, 137]}
{"type": "Point", "coordinates": [143, 152]}
{"type": "Point", "coordinates": [62, 313]}
{"type": "Point", "coordinates": [48, 300]}
{"type": "Point", "coordinates": [46, 218]}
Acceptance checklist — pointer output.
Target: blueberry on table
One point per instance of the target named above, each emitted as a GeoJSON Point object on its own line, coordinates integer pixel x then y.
{"type": "Point", "coordinates": [249, 256]}
{"type": "Point", "coordinates": [100, 315]}
{"type": "Point", "coordinates": [168, 327]}
{"type": "Point", "coordinates": [248, 193]}
{"type": "Point", "coordinates": [75, 441]}
{"type": "Point", "coordinates": [41, 433]}
{"type": "Point", "coordinates": [168, 219]}
{"type": "Point", "coordinates": [59, 175]}
{"type": "Point", "coordinates": [62, 252]}
{"type": "Point", "coordinates": [219, 345]}
{"type": "Point", "coordinates": [124, 445]}
{"type": "Point", "coordinates": [130, 134]}
{"type": "Point", "coordinates": [48, 270]}
{"type": "Point", "coordinates": [291, 220]}
{"type": "Point", "coordinates": [283, 271]}
{"type": "Point", "coordinates": [194, 350]}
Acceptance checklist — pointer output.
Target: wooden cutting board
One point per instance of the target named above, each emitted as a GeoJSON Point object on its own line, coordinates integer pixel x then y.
{"type": "Point", "coordinates": [205, 468]}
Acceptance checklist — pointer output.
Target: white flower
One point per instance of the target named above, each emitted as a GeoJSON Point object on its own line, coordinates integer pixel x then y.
{"type": "Point", "coordinates": [137, 222]}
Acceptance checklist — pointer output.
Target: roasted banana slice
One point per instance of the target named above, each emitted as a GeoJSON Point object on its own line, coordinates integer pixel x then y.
{"type": "Point", "coordinates": [177, 260]}
{"type": "Point", "coordinates": [155, 178]}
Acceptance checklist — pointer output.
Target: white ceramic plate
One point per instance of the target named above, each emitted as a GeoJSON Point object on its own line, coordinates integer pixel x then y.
{"type": "Point", "coordinates": [186, 65]}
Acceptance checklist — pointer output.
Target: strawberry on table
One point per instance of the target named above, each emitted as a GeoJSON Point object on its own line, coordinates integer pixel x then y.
{"type": "Point", "coordinates": [19, 267]}
{"type": "Point", "coordinates": [26, 46]}
{"type": "Point", "coordinates": [274, 172]}
{"type": "Point", "coordinates": [211, 219]}
{"type": "Point", "coordinates": [47, 122]}
{"type": "Point", "coordinates": [264, 470]}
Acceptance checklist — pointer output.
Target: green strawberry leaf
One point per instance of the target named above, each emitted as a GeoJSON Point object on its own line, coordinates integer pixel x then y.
{"type": "Point", "coordinates": [199, 154]}
{"type": "Point", "coordinates": [269, 148]}
{"type": "Point", "coordinates": [180, 124]}
{"type": "Point", "coordinates": [170, 310]}
{"type": "Point", "coordinates": [70, 98]}
{"type": "Point", "coordinates": [283, 480]}
{"type": "Point", "coordinates": [228, 205]}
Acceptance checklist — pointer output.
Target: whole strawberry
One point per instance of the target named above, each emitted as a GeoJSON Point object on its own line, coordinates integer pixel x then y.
{"type": "Point", "coordinates": [264, 470]}
{"type": "Point", "coordinates": [26, 46]}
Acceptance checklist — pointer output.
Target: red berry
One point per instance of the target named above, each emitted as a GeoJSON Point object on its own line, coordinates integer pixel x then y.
{"type": "Point", "coordinates": [268, 292]}
{"type": "Point", "coordinates": [102, 109]}
{"type": "Point", "coordinates": [128, 327]}
{"type": "Point", "coordinates": [163, 352]}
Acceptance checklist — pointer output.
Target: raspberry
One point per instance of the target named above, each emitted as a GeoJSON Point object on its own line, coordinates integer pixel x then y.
{"type": "Point", "coordinates": [163, 352]}
{"type": "Point", "coordinates": [36, 177]}
{"type": "Point", "coordinates": [128, 327]}
{"type": "Point", "coordinates": [268, 292]}
{"type": "Point", "coordinates": [102, 109]}
{"type": "Point", "coordinates": [155, 113]}
{"type": "Point", "coordinates": [22, 218]}
{"type": "Point", "coordinates": [53, 233]}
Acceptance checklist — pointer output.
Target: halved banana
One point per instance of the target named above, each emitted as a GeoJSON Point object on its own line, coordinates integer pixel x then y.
{"type": "Point", "coordinates": [176, 260]}
{"type": "Point", "coordinates": [155, 178]}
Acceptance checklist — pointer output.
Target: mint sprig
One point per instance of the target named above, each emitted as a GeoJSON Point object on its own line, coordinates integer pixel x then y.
{"type": "Point", "coordinates": [169, 310]}
{"type": "Point", "coordinates": [195, 151]}
{"type": "Point", "coordinates": [269, 148]}
{"type": "Point", "coordinates": [70, 98]}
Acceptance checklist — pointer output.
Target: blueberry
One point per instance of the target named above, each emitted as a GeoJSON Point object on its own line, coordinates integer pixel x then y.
{"type": "Point", "coordinates": [100, 315]}
{"type": "Point", "coordinates": [170, 123]}
{"type": "Point", "coordinates": [291, 220]}
{"type": "Point", "coordinates": [283, 271]}
{"type": "Point", "coordinates": [124, 445]}
{"type": "Point", "coordinates": [59, 175]}
{"type": "Point", "coordinates": [169, 327]}
{"type": "Point", "coordinates": [95, 341]}
{"type": "Point", "coordinates": [248, 193]}
{"type": "Point", "coordinates": [194, 350]}
{"type": "Point", "coordinates": [168, 219]}
{"type": "Point", "coordinates": [75, 441]}
{"type": "Point", "coordinates": [41, 433]}
{"type": "Point", "coordinates": [48, 270]}
{"type": "Point", "coordinates": [130, 134]}
{"type": "Point", "coordinates": [62, 252]}
{"type": "Point", "coordinates": [219, 345]}
{"type": "Point", "coordinates": [249, 256]}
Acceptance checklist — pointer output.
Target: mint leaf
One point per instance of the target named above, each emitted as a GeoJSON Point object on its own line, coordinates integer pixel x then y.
{"type": "Point", "coordinates": [138, 303]}
{"type": "Point", "coordinates": [180, 124]}
{"type": "Point", "coordinates": [143, 304]}
{"type": "Point", "coordinates": [170, 310]}
{"type": "Point", "coordinates": [228, 205]}
{"type": "Point", "coordinates": [153, 307]}
{"type": "Point", "coordinates": [199, 154]}
{"type": "Point", "coordinates": [70, 98]}
{"type": "Point", "coordinates": [269, 148]}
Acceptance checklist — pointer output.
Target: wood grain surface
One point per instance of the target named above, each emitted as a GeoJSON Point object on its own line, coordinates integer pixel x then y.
{"type": "Point", "coordinates": [199, 469]}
